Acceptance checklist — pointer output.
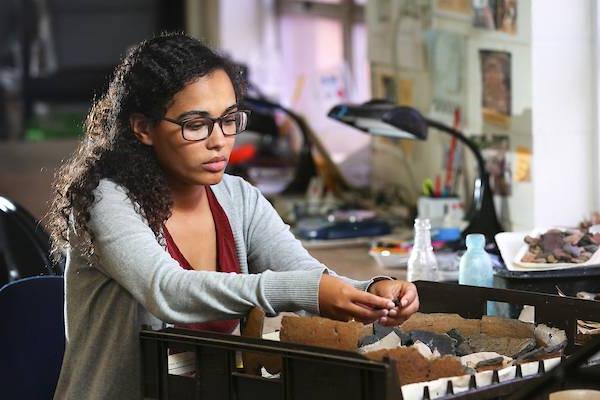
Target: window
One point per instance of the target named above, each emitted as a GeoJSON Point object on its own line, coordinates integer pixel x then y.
{"type": "Point", "coordinates": [324, 59]}
{"type": "Point", "coordinates": [308, 55]}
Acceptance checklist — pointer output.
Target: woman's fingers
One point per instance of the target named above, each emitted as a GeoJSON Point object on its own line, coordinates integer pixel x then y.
{"type": "Point", "coordinates": [341, 301]}
{"type": "Point", "coordinates": [409, 310]}
{"type": "Point", "coordinates": [363, 314]}
{"type": "Point", "coordinates": [371, 300]}
{"type": "Point", "coordinates": [409, 295]}
{"type": "Point", "coordinates": [398, 316]}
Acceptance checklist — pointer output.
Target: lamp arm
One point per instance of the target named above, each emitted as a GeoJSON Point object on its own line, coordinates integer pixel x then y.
{"type": "Point", "coordinates": [485, 219]}
{"type": "Point", "coordinates": [461, 137]}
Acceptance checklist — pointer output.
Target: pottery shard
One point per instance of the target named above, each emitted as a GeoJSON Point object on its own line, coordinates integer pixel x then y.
{"type": "Point", "coordinates": [253, 327]}
{"type": "Point", "coordinates": [444, 344]}
{"type": "Point", "coordinates": [546, 336]}
{"type": "Point", "coordinates": [507, 346]}
{"type": "Point", "coordinates": [381, 331]}
{"type": "Point", "coordinates": [574, 238]}
{"type": "Point", "coordinates": [445, 366]}
{"type": "Point", "coordinates": [317, 331]}
{"type": "Point", "coordinates": [441, 323]}
{"type": "Point", "coordinates": [574, 251]}
{"type": "Point", "coordinates": [506, 327]}
{"type": "Point", "coordinates": [413, 367]}
{"type": "Point", "coordinates": [552, 240]}
{"type": "Point", "coordinates": [532, 241]}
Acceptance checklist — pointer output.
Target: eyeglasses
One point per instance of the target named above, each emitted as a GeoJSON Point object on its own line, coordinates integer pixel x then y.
{"type": "Point", "coordinates": [199, 128]}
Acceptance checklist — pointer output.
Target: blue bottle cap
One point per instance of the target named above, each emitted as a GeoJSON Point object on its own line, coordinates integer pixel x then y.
{"type": "Point", "coordinates": [475, 241]}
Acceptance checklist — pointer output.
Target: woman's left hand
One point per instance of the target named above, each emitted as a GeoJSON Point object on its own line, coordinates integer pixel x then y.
{"type": "Point", "coordinates": [404, 292]}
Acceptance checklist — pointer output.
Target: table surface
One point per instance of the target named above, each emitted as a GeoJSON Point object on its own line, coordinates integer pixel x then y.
{"type": "Point", "coordinates": [354, 262]}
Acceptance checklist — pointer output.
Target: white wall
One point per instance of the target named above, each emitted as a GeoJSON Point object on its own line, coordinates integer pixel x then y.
{"type": "Point", "coordinates": [247, 31]}
{"type": "Point", "coordinates": [564, 111]}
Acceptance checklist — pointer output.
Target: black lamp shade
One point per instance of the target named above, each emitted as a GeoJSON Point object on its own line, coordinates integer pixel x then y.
{"type": "Point", "coordinates": [408, 120]}
{"type": "Point", "coordinates": [381, 118]}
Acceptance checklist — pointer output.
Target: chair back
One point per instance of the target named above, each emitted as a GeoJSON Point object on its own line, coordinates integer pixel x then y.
{"type": "Point", "coordinates": [32, 337]}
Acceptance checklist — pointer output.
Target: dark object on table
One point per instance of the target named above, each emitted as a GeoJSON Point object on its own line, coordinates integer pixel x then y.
{"type": "Point", "coordinates": [321, 229]}
{"type": "Point", "coordinates": [381, 118]}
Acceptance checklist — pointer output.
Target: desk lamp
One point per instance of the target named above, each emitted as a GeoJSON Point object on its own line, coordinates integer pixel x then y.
{"type": "Point", "coordinates": [381, 118]}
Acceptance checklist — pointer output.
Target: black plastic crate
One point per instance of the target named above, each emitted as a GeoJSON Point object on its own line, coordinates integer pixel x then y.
{"type": "Point", "coordinates": [318, 373]}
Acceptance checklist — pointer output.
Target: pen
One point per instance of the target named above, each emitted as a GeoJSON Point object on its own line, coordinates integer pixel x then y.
{"type": "Point", "coordinates": [428, 187]}
{"type": "Point", "coordinates": [438, 186]}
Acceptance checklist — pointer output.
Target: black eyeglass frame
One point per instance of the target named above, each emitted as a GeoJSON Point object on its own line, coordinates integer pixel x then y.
{"type": "Point", "coordinates": [210, 125]}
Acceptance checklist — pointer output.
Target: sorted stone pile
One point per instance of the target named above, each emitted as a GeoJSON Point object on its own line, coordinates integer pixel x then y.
{"type": "Point", "coordinates": [556, 246]}
{"type": "Point", "coordinates": [432, 346]}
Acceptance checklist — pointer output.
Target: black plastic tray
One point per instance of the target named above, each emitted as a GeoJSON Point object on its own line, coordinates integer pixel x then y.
{"type": "Point", "coordinates": [576, 272]}
{"type": "Point", "coordinates": [569, 281]}
{"type": "Point", "coordinates": [322, 374]}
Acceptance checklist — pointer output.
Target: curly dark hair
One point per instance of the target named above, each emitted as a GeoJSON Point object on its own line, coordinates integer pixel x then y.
{"type": "Point", "coordinates": [144, 82]}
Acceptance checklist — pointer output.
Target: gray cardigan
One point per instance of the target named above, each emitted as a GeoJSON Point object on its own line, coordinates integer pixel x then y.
{"type": "Point", "coordinates": [135, 282]}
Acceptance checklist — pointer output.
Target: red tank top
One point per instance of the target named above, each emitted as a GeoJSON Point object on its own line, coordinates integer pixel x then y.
{"type": "Point", "coordinates": [227, 260]}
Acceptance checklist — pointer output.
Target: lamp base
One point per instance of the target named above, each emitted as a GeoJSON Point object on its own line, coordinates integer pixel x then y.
{"type": "Point", "coordinates": [484, 219]}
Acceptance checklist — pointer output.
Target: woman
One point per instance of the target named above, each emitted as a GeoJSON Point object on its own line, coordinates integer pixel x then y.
{"type": "Point", "coordinates": [156, 233]}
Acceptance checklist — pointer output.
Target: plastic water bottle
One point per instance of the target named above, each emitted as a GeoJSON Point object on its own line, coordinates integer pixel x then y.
{"type": "Point", "coordinates": [422, 264]}
{"type": "Point", "coordinates": [475, 265]}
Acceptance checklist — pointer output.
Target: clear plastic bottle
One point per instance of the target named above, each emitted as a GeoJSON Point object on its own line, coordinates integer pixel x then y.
{"type": "Point", "coordinates": [422, 264]}
{"type": "Point", "coordinates": [475, 265]}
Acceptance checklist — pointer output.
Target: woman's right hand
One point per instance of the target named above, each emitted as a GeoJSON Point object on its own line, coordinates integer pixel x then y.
{"type": "Point", "coordinates": [340, 301]}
